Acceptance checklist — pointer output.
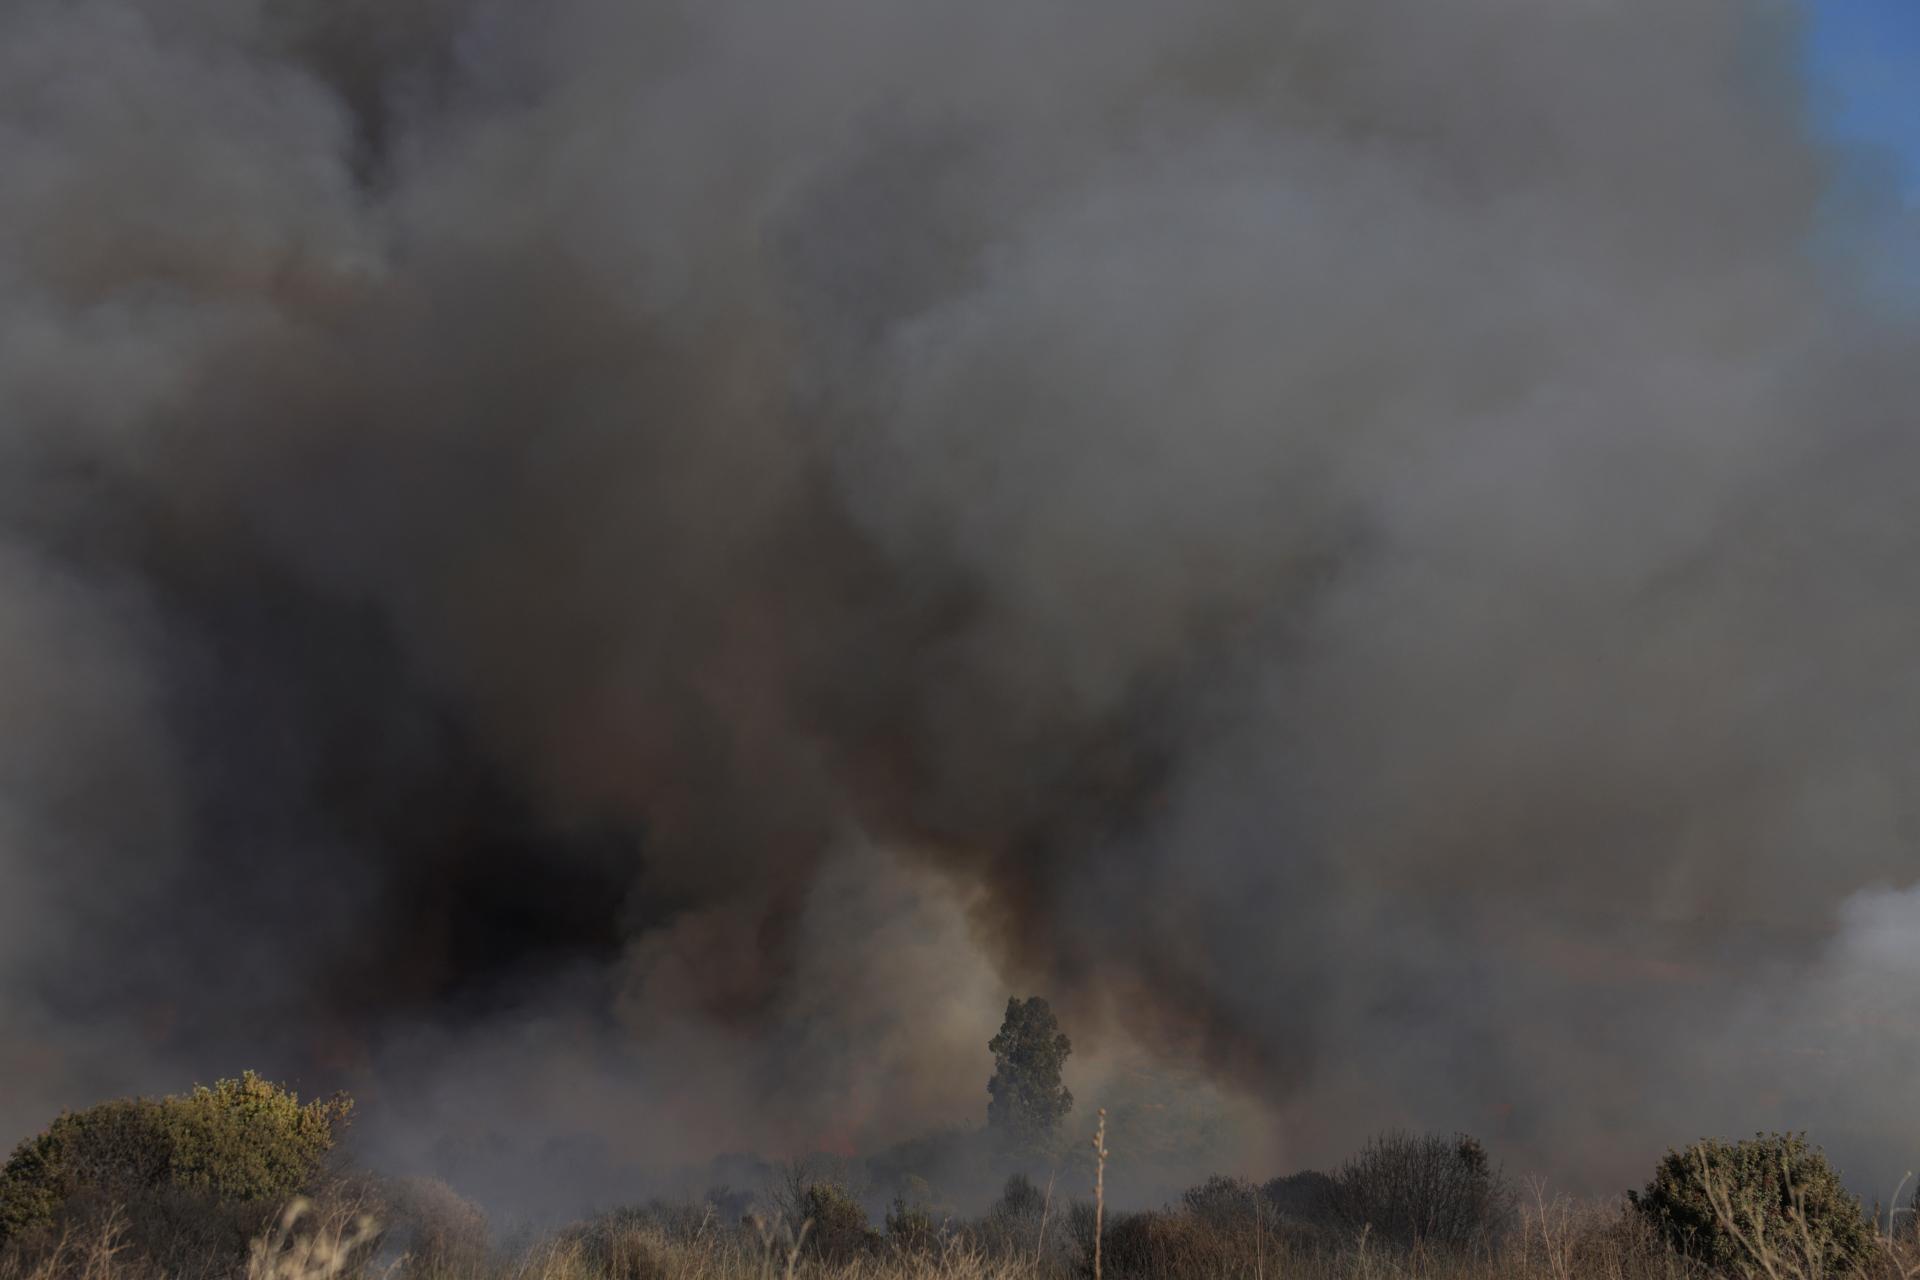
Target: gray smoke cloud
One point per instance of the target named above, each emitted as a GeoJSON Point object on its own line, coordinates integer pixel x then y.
{"type": "Point", "coordinates": [608, 568]}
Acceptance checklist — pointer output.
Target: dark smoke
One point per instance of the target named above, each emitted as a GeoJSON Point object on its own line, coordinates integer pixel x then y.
{"type": "Point", "coordinates": [629, 568]}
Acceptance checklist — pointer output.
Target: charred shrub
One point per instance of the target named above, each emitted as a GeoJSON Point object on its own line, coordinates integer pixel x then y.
{"type": "Point", "coordinates": [1406, 1189]}
{"type": "Point", "coordinates": [1742, 1204]}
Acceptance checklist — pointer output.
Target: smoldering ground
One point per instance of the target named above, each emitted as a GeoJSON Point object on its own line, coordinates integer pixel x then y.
{"type": "Point", "coordinates": [631, 568]}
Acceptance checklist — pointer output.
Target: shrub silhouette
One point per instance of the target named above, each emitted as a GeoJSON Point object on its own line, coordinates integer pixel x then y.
{"type": "Point", "coordinates": [439, 1231]}
{"type": "Point", "coordinates": [1080, 1224]}
{"type": "Point", "coordinates": [240, 1142]}
{"type": "Point", "coordinates": [1020, 1201]}
{"type": "Point", "coordinates": [1224, 1203]}
{"type": "Point", "coordinates": [911, 1226]}
{"type": "Point", "coordinates": [1725, 1202]}
{"type": "Point", "coordinates": [1302, 1197]}
{"type": "Point", "coordinates": [1407, 1189]}
{"type": "Point", "coordinates": [1154, 1243]}
{"type": "Point", "coordinates": [839, 1231]}
{"type": "Point", "coordinates": [619, 1245]}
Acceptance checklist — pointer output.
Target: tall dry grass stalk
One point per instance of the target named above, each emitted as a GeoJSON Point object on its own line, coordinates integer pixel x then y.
{"type": "Point", "coordinates": [331, 1244]}
{"type": "Point", "coordinates": [1099, 1188]}
{"type": "Point", "coordinates": [1046, 1206]}
{"type": "Point", "coordinates": [98, 1254]}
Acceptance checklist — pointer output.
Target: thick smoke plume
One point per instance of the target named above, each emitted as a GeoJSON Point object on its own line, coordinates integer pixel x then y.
{"type": "Point", "coordinates": [630, 569]}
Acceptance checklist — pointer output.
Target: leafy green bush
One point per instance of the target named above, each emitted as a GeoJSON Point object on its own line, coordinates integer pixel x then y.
{"type": "Point", "coordinates": [244, 1141]}
{"type": "Point", "coordinates": [31, 1186]}
{"type": "Point", "coordinates": [1772, 1196]}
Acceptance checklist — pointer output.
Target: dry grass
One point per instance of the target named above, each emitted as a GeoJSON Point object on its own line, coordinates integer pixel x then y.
{"type": "Point", "coordinates": [331, 1245]}
{"type": "Point", "coordinates": [99, 1254]}
{"type": "Point", "coordinates": [1554, 1238]}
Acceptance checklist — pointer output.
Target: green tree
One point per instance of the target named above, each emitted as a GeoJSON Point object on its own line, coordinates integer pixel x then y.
{"type": "Point", "coordinates": [241, 1141]}
{"type": "Point", "coordinates": [1025, 1099]}
{"type": "Point", "coordinates": [1747, 1205]}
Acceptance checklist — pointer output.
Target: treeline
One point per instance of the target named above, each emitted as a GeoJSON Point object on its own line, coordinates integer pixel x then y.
{"type": "Point", "coordinates": [199, 1186]}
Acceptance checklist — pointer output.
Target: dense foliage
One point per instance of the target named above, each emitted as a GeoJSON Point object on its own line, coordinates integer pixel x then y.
{"type": "Point", "coordinates": [1025, 1099]}
{"type": "Point", "coordinates": [1440, 1199]}
{"type": "Point", "coordinates": [241, 1141]}
{"type": "Point", "coordinates": [1729, 1203]}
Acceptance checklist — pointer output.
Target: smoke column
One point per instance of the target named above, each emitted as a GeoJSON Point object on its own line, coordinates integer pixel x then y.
{"type": "Point", "coordinates": [636, 567]}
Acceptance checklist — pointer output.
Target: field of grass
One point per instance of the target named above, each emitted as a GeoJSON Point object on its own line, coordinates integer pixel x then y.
{"type": "Point", "coordinates": [358, 1231]}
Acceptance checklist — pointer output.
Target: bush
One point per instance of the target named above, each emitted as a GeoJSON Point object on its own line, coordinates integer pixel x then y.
{"type": "Point", "coordinates": [1224, 1204]}
{"type": "Point", "coordinates": [728, 1205]}
{"type": "Point", "coordinates": [625, 1244]}
{"type": "Point", "coordinates": [1407, 1189]}
{"type": "Point", "coordinates": [911, 1227]}
{"type": "Point", "coordinates": [916, 1222]}
{"type": "Point", "coordinates": [1303, 1197]}
{"type": "Point", "coordinates": [1022, 1222]}
{"type": "Point", "coordinates": [1020, 1201]}
{"type": "Point", "coordinates": [439, 1231]}
{"type": "Point", "coordinates": [944, 1160]}
{"type": "Point", "coordinates": [1156, 1244]}
{"type": "Point", "coordinates": [244, 1142]}
{"type": "Point", "coordinates": [1080, 1218]}
{"type": "Point", "coordinates": [839, 1231]}
{"type": "Point", "coordinates": [1744, 1203]}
